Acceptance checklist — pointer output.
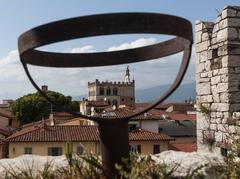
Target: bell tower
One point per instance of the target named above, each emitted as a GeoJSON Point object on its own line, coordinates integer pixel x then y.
{"type": "Point", "coordinates": [127, 75]}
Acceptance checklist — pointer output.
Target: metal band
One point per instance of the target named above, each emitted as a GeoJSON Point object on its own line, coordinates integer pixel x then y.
{"type": "Point", "coordinates": [106, 24]}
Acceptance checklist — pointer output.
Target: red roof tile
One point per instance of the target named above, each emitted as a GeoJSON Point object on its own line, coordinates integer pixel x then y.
{"type": "Point", "coordinates": [76, 133]}
{"type": "Point", "coordinates": [182, 117]}
{"type": "Point", "coordinates": [185, 147]}
{"type": "Point", "coordinates": [148, 136]}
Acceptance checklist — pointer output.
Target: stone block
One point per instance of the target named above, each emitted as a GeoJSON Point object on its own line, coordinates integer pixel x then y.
{"type": "Point", "coordinates": [218, 136]}
{"type": "Point", "coordinates": [218, 120]}
{"type": "Point", "coordinates": [216, 98]}
{"type": "Point", "coordinates": [227, 34]}
{"type": "Point", "coordinates": [204, 75]}
{"type": "Point", "coordinates": [232, 129]}
{"type": "Point", "coordinates": [224, 107]}
{"type": "Point", "coordinates": [206, 99]}
{"type": "Point", "coordinates": [223, 71]}
{"type": "Point", "coordinates": [208, 65]}
{"type": "Point", "coordinates": [228, 13]}
{"type": "Point", "coordinates": [234, 50]}
{"type": "Point", "coordinates": [222, 50]}
{"type": "Point", "coordinates": [198, 36]}
{"type": "Point", "coordinates": [222, 87]}
{"type": "Point", "coordinates": [215, 80]}
{"type": "Point", "coordinates": [200, 67]}
{"type": "Point", "coordinates": [213, 127]}
{"type": "Point", "coordinates": [237, 70]}
{"type": "Point", "coordinates": [232, 22]}
{"type": "Point", "coordinates": [215, 72]}
{"type": "Point", "coordinates": [233, 60]}
{"type": "Point", "coordinates": [234, 108]}
{"type": "Point", "coordinates": [234, 85]}
{"type": "Point", "coordinates": [222, 127]}
{"type": "Point", "coordinates": [226, 114]}
{"type": "Point", "coordinates": [198, 26]}
{"type": "Point", "coordinates": [203, 88]}
{"type": "Point", "coordinates": [219, 114]}
{"type": "Point", "coordinates": [236, 115]}
{"type": "Point", "coordinates": [224, 97]}
{"type": "Point", "coordinates": [202, 46]}
{"type": "Point", "coordinates": [224, 78]}
{"type": "Point", "coordinates": [202, 56]}
{"type": "Point", "coordinates": [205, 36]}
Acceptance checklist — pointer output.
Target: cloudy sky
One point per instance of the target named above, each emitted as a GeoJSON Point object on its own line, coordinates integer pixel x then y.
{"type": "Point", "coordinates": [18, 16]}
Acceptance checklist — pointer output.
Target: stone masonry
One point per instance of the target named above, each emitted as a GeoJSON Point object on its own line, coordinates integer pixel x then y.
{"type": "Point", "coordinates": [218, 79]}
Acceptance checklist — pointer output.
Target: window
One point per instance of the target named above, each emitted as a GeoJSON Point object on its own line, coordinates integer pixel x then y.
{"type": "Point", "coordinates": [101, 91]}
{"type": "Point", "coordinates": [156, 148]}
{"type": "Point", "coordinates": [131, 99]}
{"type": "Point", "coordinates": [108, 91]}
{"type": "Point", "coordinates": [28, 150]}
{"type": "Point", "coordinates": [114, 102]}
{"type": "Point", "coordinates": [132, 127]}
{"type": "Point", "coordinates": [135, 148]}
{"type": "Point", "coordinates": [55, 151]}
{"type": "Point", "coordinates": [115, 91]}
{"type": "Point", "coordinates": [80, 149]}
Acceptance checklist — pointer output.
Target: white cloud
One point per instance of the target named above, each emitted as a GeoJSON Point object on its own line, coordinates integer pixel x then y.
{"type": "Point", "coordinates": [137, 43]}
{"type": "Point", "coordinates": [84, 49]}
{"type": "Point", "coordinates": [73, 81]}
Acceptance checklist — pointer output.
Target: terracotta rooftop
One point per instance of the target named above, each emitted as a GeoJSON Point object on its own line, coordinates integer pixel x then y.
{"type": "Point", "coordinates": [76, 133]}
{"type": "Point", "coordinates": [153, 114]}
{"type": "Point", "coordinates": [185, 147]}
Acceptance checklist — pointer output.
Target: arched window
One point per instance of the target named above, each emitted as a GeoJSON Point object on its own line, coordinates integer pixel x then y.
{"type": "Point", "coordinates": [114, 102]}
{"type": "Point", "coordinates": [115, 91]}
{"type": "Point", "coordinates": [108, 91]}
{"type": "Point", "coordinates": [101, 91]}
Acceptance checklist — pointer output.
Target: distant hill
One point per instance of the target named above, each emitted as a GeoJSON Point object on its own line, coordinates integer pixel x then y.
{"type": "Point", "coordinates": [185, 91]}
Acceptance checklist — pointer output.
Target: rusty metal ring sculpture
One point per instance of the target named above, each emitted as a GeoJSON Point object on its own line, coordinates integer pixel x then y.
{"type": "Point", "coordinates": [107, 24]}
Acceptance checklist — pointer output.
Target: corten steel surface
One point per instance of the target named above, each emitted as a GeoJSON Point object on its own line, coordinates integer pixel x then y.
{"type": "Point", "coordinates": [113, 133]}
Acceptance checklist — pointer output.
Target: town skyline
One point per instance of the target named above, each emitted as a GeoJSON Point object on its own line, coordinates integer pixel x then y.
{"type": "Point", "coordinates": [159, 72]}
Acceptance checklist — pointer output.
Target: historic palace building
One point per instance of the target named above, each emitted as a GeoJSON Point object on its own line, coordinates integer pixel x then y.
{"type": "Point", "coordinates": [110, 93]}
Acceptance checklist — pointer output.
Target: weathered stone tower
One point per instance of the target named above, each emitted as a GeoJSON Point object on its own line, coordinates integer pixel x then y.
{"type": "Point", "coordinates": [218, 80]}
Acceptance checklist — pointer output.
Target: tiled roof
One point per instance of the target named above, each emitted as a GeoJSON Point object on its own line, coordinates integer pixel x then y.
{"type": "Point", "coordinates": [182, 117]}
{"type": "Point", "coordinates": [76, 133]}
{"type": "Point", "coordinates": [148, 136]}
{"type": "Point", "coordinates": [56, 134]}
{"type": "Point", "coordinates": [185, 147]}
{"type": "Point", "coordinates": [153, 114]}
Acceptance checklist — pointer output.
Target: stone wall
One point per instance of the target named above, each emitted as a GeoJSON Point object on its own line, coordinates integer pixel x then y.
{"type": "Point", "coordinates": [218, 79]}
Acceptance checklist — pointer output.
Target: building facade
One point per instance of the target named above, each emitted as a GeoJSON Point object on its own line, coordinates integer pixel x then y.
{"type": "Point", "coordinates": [115, 93]}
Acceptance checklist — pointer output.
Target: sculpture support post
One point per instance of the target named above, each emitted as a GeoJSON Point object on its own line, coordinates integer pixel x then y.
{"type": "Point", "coordinates": [114, 144]}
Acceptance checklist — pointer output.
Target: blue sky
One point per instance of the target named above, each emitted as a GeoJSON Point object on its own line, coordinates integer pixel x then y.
{"type": "Point", "coordinates": [18, 16]}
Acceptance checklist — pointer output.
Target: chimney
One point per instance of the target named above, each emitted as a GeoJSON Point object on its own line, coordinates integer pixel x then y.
{"type": "Point", "coordinates": [51, 119]}
{"type": "Point", "coordinates": [44, 87]}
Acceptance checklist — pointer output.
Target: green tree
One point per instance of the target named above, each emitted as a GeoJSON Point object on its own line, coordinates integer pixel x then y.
{"type": "Point", "coordinates": [34, 107]}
